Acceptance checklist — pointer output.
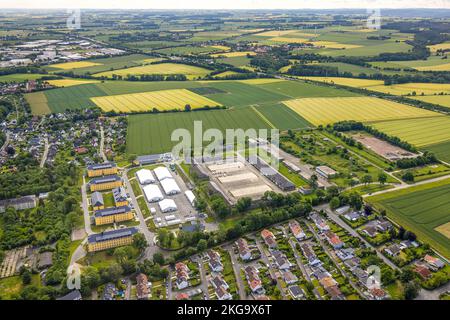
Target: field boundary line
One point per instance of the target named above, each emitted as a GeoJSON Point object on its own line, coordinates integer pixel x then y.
{"type": "Point", "coordinates": [263, 117]}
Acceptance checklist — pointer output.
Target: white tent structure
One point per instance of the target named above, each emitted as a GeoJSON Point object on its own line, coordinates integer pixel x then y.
{"type": "Point", "coordinates": [162, 173]}
{"type": "Point", "coordinates": [170, 186]}
{"type": "Point", "coordinates": [167, 205]}
{"type": "Point", "coordinates": [152, 193]}
{"type": "Point", "coordinates": [145, 176]}
{"type": "Point", "coordinates": [190, 196]}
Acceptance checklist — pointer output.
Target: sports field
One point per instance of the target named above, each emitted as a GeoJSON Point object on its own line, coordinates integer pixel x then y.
{"type": "Point", "coordinates": [160, 68]}
{"type": "Point", "coordinates": [422, 209]}
{"type": "Point", "coordinates": [330, 110]}
{"type": "Point", "coordinates": [419, 132]}
{"type": "Point", "coordinates": [443, 100]}
{"type": "Point", "coordinates": [74, 65]}
{"type": "Point", "coordinates": [151, 133]}
{"type": "Point", "coordinates": [161, 100]}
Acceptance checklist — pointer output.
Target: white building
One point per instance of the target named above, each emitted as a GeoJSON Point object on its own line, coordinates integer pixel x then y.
{"type": "Point", "coordinates": [326, 172]}
{"type": "Point", "coordinates": [190, 196]}
{"type": "Point", "coordinates": [152, 193]}
{"type": "Point", "coordinates": [162, 173]}
{"type": "Point", "coordinates": [170, 186]}
{"type": "Point", "coordinates": [167, 205]}
{"type": "Point", "coordinates": [145, 176]}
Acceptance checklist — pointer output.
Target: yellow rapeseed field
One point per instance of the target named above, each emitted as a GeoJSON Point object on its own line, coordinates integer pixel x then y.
{"type": "Point", "coordinates": [161, 100]}
{"type": "Point", "coordinates": [367, 109]}
{"type": "Point", "coordinates": [289, 40]}
{"type": "Point", "coordinates": [443, 100]}
{"type": "Point", "coordinates": [439, 67]}
{"type": "Point", "coordinates": [275, 33]}
{"type": "Point", "coordinates": [74, 65]}
{"type": "Point", "coordinates": [351, 82]}
{"type": "Point", "coordinates": [420, 132]}
{"type": "Point", "coordinates": [439, 46]}
{"type": "Point", "coordinates": [410, 88]}
{"type": "Point", "coordinates": [335, 45]}
{"type": "Point", "coordinates": [160, 68]}
{"type": "Point", "coordinates": [69, 82]}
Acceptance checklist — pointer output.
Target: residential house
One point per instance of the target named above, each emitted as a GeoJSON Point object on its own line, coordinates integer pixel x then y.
{"type": "Point", "coordinates": [296, 230]}
{"type": "Point", "coordinates": [320, 222]}
{"type": "Point", "coordinates": [378, 294]}
{"type": "Point", "coordinates": [214, 261]}
{"type": "Point", "coordinates": [352, 216]}
{"type": "Point", "coordinates": [45, 260]}
{"type": "Point", "coordinates": [72, 295]}
{"type": "Point", "coordinates": [433, 262]}
{"type": "Point", "coordinates": [254, 282]}
{"type": "Point", "coordinates": [269, 238]}
{"type": "Point", "coordinates": [222, 294]}
{"type": "Point", "coordinates": [345, 254]}
{"type": "Point", "coordinates": [281, 261]}
{"type": "Point", "coordinates": [142, 287]}
{"type": "Point", "coordinates": [296, 292]}
{"type": "Point", "coordinates": [422, 271]}
{"type": "Point", "coordinates": [333, 240]}
{"type": "Point", "coordinates": [289, 277]}
{"type": "Point", "coordinates": [244, 250]}
{"type": "Point", "coordinates": [393, 250]}
{"type": "Point", "coordinates": [217, 282]}
{"type": "Point", "coordinates": [182, 278]}
{"type": "Point", "coordinates": [309, 254]}
{"type": "Point", "coordinates": [370, 231]}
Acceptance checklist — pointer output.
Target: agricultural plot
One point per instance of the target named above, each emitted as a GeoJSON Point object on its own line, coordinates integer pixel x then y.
{"type": "Point", "coordinates": [74, 65]}
{"type": "Point", "coordinates": [234, 54]}
{"type": "Point", "coordinates": [151, 133]}
{"type": "Point", "coordinates": [422, 209]}
{"type": "Point", "coordinates": [442, 100]}
{"type": "Point", "coordinates": [161, 68]}
{"type": "Point", "coordinates": [412, 88]}
{"type": "Point", "coordinates": [350, 82]}
{"type": "Point", "coordinates": [105, 64]}
{"type": "Point", "coordinates": [161, 100]}
{"type": "Point", "coordinates": [38, 102]}
{"type": "Point", "coordinates": [242, 94]}
{"type": "Point", "coordinates": [419, 132]}
{"type": "Point", "coordinates": [296, 89]}
{"type": "Point", "coordinates": [282, 117]}
{"type": "Point", "coordinates": [69, 82]}
{"type": "Point", "coordinates": [20, 77]}
{"type": "Point", "coordinates": [433, 63]}
{"type": "Point", "coordinates": [322, 111]}
{"type": "Point", "coordinates": [441, 150]}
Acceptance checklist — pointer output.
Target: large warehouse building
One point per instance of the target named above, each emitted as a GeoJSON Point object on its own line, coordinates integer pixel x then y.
{"type": "Point", "coordinates": [162, 173]}
{"type": "Point", "coordinates": [170, 186]}
{"type": "Point", "coordinates": [167, 205]}
{"type": "Point", "coordinates": [152, 193]}
{"type": "Point", "coordinates": [145, 176]}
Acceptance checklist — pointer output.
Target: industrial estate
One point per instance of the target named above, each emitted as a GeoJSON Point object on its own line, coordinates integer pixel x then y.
{"type": "Point", "coordinates": [351, 202]}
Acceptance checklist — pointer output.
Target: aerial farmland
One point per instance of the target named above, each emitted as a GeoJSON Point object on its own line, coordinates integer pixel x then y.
{"type": "Point", "coordinates": [225, 154]}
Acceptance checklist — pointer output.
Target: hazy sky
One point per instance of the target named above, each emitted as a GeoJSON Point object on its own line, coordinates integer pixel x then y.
{"type": "Point", "coordinates": [224, 4]}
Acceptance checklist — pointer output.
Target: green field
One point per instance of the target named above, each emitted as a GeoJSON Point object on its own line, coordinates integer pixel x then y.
{"type": "Point", "coordinates": [419, 132]}
{"type": "Point", "coordinates": [441, 150]}
{"type": "Point", "coordinates": [106, 64]}
{"type": "Point", "coordinates": [282, 117]}
{"type": "Point", "coordinates": [420, 209]}
{"type": "Point", "coordinates": [151, 133]}
{"type": "Point", "coordinates": [20, 77]}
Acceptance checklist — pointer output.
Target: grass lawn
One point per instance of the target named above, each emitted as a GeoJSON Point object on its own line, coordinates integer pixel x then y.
{"type": "Point", "coordinates": [108, 199]}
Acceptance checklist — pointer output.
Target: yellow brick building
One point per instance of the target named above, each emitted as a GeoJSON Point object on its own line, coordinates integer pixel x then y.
{"type": "Point", "coordinates": [111, 239]}
{"type": "Point", "coordinates": [120, 197]}
{"type": "Point", "coordinates": [112, 215]}
{"type": "Point", "coordinates": [105, 183]}
{"type": "Point", "coordinates": [102, 169]}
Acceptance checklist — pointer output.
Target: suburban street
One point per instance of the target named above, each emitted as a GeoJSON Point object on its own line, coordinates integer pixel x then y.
{"type": "Point", "coordinates": [149, 236]}
{"type": "Point", "coordinates": [85, 207]}
{"type": "Point", "coordinates": [333, 216]}
{"type": "Point", "coordinates": [237, 272]}
{"type": "Point", "coordinates": [102, 144]}
{"type": "Point", "coordinates": [44, 154]}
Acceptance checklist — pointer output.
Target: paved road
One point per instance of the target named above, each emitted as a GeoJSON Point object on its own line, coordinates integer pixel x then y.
{"type": "Point", "coordinates": [267, 262]}
{"type": "Point", "coordinates": [149, 236]}
{"type": "Point", "coordinates": [433, 294]}
{"type": "Point", "coordinates": [237, 272]}
{"type": "Point", "coordinates": [406, 186]}
{"type": "Point", "coordinates": [202, 271]}
{"type": "Point", "coordinates": [79, 253]}
{"type": "Point", "coordinates": [85, 207]}
{"type": "Point", "coordinates": [333, 216]}
{"type": "Point", "coordinates": [335, 260]}
{"type": "Point", "coordinates": [300, 263]}
{"type": "Point", "coordinates": [44, 154]}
